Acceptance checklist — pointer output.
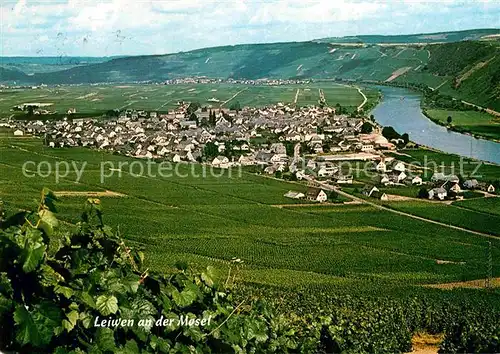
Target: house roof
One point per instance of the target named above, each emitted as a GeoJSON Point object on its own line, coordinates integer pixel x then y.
{"type": "Point", "coordinates": [313, 192]}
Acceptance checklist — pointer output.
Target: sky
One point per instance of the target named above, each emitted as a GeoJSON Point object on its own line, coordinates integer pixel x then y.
{"type": "Point", "coordinates": [139, 27]}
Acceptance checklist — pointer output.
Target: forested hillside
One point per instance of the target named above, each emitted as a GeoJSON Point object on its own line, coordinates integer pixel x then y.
{"type": "Point", "coordinates": [466, 70]}
{"type": "Point", "coordinates": [438, 37]}
{"type": "Point", "coordinates": [470, 71]}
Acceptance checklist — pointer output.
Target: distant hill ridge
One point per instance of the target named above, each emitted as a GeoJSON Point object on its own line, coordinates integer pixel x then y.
{"type": "Point", "coordinates": [436, 37]}
{"type": "Point", "coordinates": [469, 70]}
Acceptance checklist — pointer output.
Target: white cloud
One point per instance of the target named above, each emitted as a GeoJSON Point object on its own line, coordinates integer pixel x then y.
{"type": "Point", "coordinates": [140, 26]}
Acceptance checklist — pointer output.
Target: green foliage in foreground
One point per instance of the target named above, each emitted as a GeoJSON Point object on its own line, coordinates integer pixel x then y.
{"type": "Point", "coordinates": [54, 285]}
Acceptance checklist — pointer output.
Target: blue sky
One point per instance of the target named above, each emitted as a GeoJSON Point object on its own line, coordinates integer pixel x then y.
{"type": "Point", "coordinates": [132, 27]}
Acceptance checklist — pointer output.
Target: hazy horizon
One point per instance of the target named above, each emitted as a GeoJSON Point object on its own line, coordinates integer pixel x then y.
{"type": "Point", "coordinates": [238, 44]}
{"type": "Point", "coordinates": [89, 28]}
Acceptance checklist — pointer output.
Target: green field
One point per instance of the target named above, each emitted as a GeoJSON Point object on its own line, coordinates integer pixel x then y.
{"type": "Point", "coordinates": [213, 219]}
{"type": "Point", "coordinates": [431, 161]}
{"type": "Point", "coordinates": [94, 99]}
{"type": "Point", "coordinates": [449, 214]}
{"type": "Point", "coordinates": [473, 122]}
{"type": "Point", "coordinates": [484, 205]}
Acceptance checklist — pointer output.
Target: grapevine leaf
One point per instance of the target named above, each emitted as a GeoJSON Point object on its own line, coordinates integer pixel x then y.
{"type": "Point", "coordinates": [5, 284]}
{"type": "Point", "coordinates": [5, 305]}
{"type": "Point", "coordinates": [87, 299]}
{"type": "Point", "coordinates": [129, 348]}
{"type": "Point", "coordinates": [37, 327]}
{"type": "Point", "coordinates": [48, 221]}
{"type": "Point", "coordinates": [70, 323]}
{"type": "Point", "coordinates": [107, 305]}
{"type": "Point", "coordinates": [63, 290]}
{"type": "Point", "coordinates": [49, 276]}
{"type": "Point", "coordinates": [105, 339]}
{"type": "Point", "coordinates": [86, 319]}
{"type": "Point", "coordinates": [33, 249]}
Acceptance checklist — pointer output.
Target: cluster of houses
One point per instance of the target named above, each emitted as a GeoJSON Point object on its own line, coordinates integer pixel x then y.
{"type": "Point", "coordinates": [440, 186]}
{"type": "Point", "coordinates": [207, 80]}
{"type": "Point", "coordinates": [313, 194]}
{"type": "Point", "coordinates": [448, 186]}
{"type": "Point", "coordinates": [254, 136]}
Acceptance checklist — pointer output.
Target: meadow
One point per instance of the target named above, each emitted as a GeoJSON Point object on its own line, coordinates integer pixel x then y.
{"type": "Point", "coordinates": [97, 99]}
{"type": "Point", "coordinates": [474, 122]}
{"type": "Point", "coordinates": [432, 160]}
{"type": "Point", "coordinates": [210, 220]}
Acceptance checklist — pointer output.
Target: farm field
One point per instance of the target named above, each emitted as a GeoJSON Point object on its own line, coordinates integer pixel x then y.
{"type": "Point", "coordinates": [210, 220]}
{"type": "Point", "coordinates": [474, 122]}
{"type": "Point", "coordinates": [485, 205]}
{"type": "Point", "coordinates": [97, 99]}
{"type": "Point", "coordinates": [449, 214]}
{"type": "Point", "coordinates": [431, 160]}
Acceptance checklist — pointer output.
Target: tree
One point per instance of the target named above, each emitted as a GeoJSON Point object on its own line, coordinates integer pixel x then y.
{"type": "Point", "coordinates": [210, 150]}
{"type": "Point", "coordinates": [406, 138]}
{"type": "Point", "coordinates": [366, 128]}
{"type": "Point", "coordinates": [193, 107]}
{"type": "Point", "coordinates": [449, 119]}
{"type": "Point", "coordinates": [194, 117]}
{"type": "Point", "coordinates": [235, 106]}
{"type": "Point", "coordinates": [390, 133]}
{"type": "Point", "coordinates": [372, 117]}
{"type": "Point", "coordinates": [423, 193]}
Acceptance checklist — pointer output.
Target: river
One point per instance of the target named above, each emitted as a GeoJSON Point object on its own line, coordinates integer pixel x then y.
{"type": "Point", "coordinates": [400, 108]}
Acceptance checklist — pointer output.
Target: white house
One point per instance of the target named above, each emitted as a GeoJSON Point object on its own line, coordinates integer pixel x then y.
{"type": "Point", "coordinates": [417, 180]}
{"type": "Point", "coordinates": [369, 190]}
{"type": "Point", "coordinates": [439, 193]}
{"type": "Point", "coordinates": [220, 161]}
{"type": "Point", "coordinates": [344, 179]}
{"type": "Point", "coordinates": [381, 167]}
{"type": "Point", "coordinates": [455, 188]}
{"type": "Point", "coordinates": [400, 167]}
{"type": "Point", "coordinates": [18, 132]}
{"type": "Point", "coordinates": [176, 158]}
{"type": "Point", "coordinates": [384, 179]}
{"type": "Point", "coordinates": [317, 195]}
{"type": "Point", "coordinates": [401, 177]}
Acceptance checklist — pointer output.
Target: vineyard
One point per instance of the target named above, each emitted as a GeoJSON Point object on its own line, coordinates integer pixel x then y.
{"type": "Point", "coordinates": [207, 221]}
{"type": "Point", "coordinates": [54, 285]}
{"type": "Point", "coordinates": [98, 99]}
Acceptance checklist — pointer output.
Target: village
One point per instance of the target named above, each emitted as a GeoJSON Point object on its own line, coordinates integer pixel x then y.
{"type": "Point", "coordinates": [314, 144]}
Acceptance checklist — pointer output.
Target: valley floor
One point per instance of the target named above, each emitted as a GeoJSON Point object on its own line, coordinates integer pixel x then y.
{"type": "Point", "coordinates": [216, 219]}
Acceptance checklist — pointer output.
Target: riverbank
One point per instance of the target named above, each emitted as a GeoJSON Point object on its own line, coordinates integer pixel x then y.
{"type": "Point", "coordinates": [473, 127]}
{"type": "Point", "coordinates": [401, 109]}
{"type": "Point", "coordinates": [489, 131]}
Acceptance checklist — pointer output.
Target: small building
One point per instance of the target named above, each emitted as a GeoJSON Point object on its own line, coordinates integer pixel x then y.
{"type": "Point", "coordinates": [344, 179]}
{"type": "Point", "coordinates": [294, 195]}
{"type": "Point", "coordinates": [316, 194]}
{"type": "Point", "coordinates": [18, 132]}
{"type": "Point", "coordinates": [417, 181]}
{"type": "Point", "coordinates": [399, 166]}
{"type": "Point", "coordinates": [455, 188]}
{"type": "Point", "coordinates": [380, 196]}
{"type": "Point", "coordinates": [369, 190]}
{"type": "Point", "coordinates": [438, 177]}
{"type": "Point", "coordinates": [220, 161]}
{"type": "Point", "coordinates": [438, 193]}
{"type": "Point", "coordinates": [471, 184]}
{"type": "Point", "coordinates": [381, 167]}
{"type": "Point", "coordinates": [491, 189]}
